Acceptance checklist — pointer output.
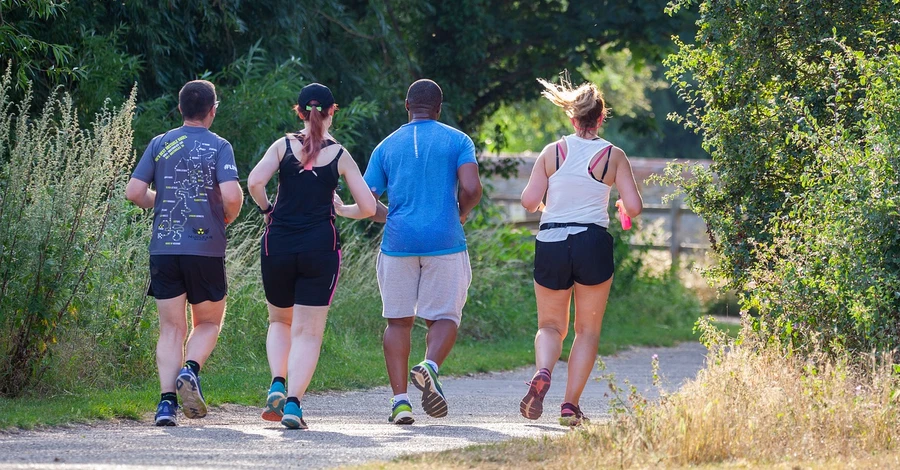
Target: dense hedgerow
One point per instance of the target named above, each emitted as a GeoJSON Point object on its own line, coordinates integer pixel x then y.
{"type": "Point", "coordinates": [798, 105]}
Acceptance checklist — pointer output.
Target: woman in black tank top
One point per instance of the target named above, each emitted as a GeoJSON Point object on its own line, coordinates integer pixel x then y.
{"type": "Point", "coordinates": [300, 249]}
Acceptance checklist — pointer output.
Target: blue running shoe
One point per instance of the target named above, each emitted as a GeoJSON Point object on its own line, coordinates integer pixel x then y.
{"type": "Point", "coordinates": [401, 412]}
{"type": "Point", "coordinates": [293, 417]}
{"type": "Point", "coordinates": [274, 403]}
{"type": "Point", "coordinates": [426, 380]}
{"type": "Point", "coordinates": [165, 413]}
{"type": "Point", "coordinates": [188, 387]}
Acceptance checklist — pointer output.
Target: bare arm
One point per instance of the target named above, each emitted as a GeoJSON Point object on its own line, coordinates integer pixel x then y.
{"type": "Point", "coordinates": [139, 192]}
{"type": "Point", "coordinates": [469, 189]}
{"type": "Point", "coordinates": [365, 202]}
{"type": "Point", "coordinates": [232, 199]}
{"type": "Point", "coordinates": [625, 184]}
{"type": "Point", "coordinates": [533, 195]}
{"type": "Point", "coordinates": [263, 172]}
{"type": "Point", "coordinates": [381, 211]}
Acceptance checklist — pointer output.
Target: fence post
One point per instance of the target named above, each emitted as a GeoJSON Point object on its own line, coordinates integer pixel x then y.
{"type": "Point", "coordinates": [675, 239]}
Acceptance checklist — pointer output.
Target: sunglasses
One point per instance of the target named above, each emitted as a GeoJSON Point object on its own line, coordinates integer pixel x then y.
{"type": "Point", "coordinates": [317, 108]}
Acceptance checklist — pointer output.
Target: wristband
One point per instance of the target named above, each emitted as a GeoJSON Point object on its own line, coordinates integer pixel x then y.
{"type": "Point", "coordinates": [267, 210]}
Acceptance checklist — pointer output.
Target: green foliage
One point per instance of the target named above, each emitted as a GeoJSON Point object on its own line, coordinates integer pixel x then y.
{"type": "Point", "coordinates": [20, 29]}
{"type": "Point", "coordinates": [482, 53]}
{"type": "Point", "coordinates": [58, 200]}
{"type": "Point", "coordinates": [529, 125]}
{"type": "Point", "coordinates": [257, 99]}
{"type": "Point", "coordinates": [797, 104]}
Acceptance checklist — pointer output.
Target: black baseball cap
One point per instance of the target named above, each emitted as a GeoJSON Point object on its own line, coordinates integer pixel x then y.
{"type": "Point", "coordinates": [315, 92]}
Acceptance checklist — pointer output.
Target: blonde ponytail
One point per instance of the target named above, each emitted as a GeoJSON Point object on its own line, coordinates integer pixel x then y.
{"type": "Point", "coordinates": [585, 103]}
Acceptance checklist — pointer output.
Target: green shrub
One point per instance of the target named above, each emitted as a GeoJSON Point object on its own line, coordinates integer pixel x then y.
{"type": "Point", "coordinates": [60, 199]}
{"type": "Point", "coordinates": [798, 107]}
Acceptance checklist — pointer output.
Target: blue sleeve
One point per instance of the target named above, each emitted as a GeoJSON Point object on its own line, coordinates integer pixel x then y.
{"type": "Point", "coordinates": [375, 176]}
{"type": "Point", "coordinates": [466, 152]}
{"type": "Point", "coordinates": [146, 167]}
{"type": "Point", "coordinates": [226, 169]}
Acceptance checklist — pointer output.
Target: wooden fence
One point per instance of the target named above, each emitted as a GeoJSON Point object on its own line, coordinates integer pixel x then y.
{"type": "Point", "coordinates": [673, 212]}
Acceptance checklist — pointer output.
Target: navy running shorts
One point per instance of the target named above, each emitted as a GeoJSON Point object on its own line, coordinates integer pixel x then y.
{"type": "Point", "coordinates": [585, 258]}
{"type": "Point", "coordinates": [308, 278]}
{"type": "Point", "coordinates": [201, 277]}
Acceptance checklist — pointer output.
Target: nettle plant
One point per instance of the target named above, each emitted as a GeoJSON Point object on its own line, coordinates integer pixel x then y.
{"type": "Point", "coordinates": [64, 233]}
{"type": "Point", "coordinates": [798, 106]}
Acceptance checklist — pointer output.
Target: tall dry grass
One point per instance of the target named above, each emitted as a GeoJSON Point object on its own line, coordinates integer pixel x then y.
{"type": "Point", "coordinates": [761, 403]}
{"type": "Point", "coordinates": [754, 404]}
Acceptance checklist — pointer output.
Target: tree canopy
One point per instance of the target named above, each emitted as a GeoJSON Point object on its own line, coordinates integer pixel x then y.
{"type": "Point", "coordinates": [483, 53]}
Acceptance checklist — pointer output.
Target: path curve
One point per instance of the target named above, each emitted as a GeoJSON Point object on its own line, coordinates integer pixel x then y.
{"type": "Point", "coordinates": [345, 428]}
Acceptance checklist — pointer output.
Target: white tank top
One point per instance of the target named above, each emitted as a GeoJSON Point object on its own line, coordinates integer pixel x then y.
{"type": "Point", "coordinates": [573, 195]}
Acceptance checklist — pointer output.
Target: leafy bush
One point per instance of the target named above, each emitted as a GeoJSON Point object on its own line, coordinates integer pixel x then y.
{"type": "Point", "coordinates": [60, 198]}
{"type": "Point", "coordinates": [797, 104]}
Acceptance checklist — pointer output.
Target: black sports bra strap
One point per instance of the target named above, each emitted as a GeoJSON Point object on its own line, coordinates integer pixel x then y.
{"type": "Point", "coordinates": [557, 155]}
{"type": "Point", "coordinates": [606, 166]}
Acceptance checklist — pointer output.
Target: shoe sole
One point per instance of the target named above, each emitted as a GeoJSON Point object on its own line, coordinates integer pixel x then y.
{"type": "Point", "coordinates": [293, 422]}
{"type": "Point", "coordinates": [274, 407]}
{"type": "Point", "coordinates": [403, 417]}
{"type": "Point", "coordinates": [169, 421]}
{"type": "Point", "coordinates": [189, 393]}
{"type": "Point", "coordinates": [434, 404]}
{"type": "Point", "coordinates": [532, 406]}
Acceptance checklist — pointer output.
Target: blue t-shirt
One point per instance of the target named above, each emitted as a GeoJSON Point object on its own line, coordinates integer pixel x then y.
{"type": "Point", "coordinates": [417, 166]}
{"type": "Point", "coordinates": [186, 166]}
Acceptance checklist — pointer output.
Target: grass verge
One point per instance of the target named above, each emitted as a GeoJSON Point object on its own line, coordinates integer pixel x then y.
{"type": "Point", "coordinates": [237, 372]}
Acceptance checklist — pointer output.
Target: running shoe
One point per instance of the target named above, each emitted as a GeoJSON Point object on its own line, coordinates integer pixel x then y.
{"type": "Point", "coordinates": [571, 416]}
{"type": "Point", "coordinates": [532, 406]}
{"type": "Point", "coordinates": [165, 413]}
{"type": "Point", "coordinates": [293, 417]}
{"type": "Point", "coordinates": [426, 380]}
{"type": "Point", "coordinates": [274, 403]}
{"type": "Point", "coordinates": [188, 387]}
{"type": "Point", "coordinates": [401, 412]}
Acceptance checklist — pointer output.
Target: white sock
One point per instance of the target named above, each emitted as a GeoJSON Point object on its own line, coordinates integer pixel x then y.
{"type": "Point", "coordinates": [401, 396]}
{"type": "Point", "coordinates": [432, 364]}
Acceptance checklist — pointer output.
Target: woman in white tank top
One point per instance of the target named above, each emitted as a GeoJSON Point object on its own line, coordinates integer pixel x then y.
{"type": "Point", "coordinates": [573, 251]}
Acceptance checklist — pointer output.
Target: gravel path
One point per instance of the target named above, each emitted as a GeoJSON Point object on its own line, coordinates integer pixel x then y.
{"type": "Point", "coordinates": [345, 428]}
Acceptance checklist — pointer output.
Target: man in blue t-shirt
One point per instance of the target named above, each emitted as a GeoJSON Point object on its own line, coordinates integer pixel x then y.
{"type": "Point", "coordinates": [195, 193]}
{"type": "Point", "coordinates": [430, 174]}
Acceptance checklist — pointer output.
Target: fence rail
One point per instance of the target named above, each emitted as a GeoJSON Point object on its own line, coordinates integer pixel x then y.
{"type": "Point", "coordinates": [674, 212]}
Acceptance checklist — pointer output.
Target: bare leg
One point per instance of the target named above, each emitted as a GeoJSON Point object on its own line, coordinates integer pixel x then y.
{"type": "Point", "coordinates": [396, 345]}
{"type": "Point", "coordinates": [306, 343]}
{"type": "Point", "coordinates": [170, 347]}
{"type": "Point", "coordinates": [439, 340]}
{"type": "Point", "coordinates": [590, 304]}
{"type": "Point", "coordinates": [553, 325]}
{"type": "Point", "coordinates": [278, 339]}
{"type": "Point", "coordinates": [207, 318]}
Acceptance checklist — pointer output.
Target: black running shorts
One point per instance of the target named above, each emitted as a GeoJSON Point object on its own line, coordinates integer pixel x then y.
{"type": "Point", "coordinates": [307, 278]}
{"type": "Point", "coordinates": [201, 277]}
{"type": "Point", "coordinates": [585, 258]}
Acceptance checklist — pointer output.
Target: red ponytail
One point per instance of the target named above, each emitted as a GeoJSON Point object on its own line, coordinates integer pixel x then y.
{"type": "Point", "coordinates": [315, 133]}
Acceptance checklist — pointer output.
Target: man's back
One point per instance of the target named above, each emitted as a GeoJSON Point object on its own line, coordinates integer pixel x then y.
{"type": "Point", "coordinates": [186, 165]}
{"type": "Point", "coordinates": [417, 166]}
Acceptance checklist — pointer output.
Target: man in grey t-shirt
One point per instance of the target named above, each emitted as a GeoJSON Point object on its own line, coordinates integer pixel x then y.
{"type": "Point", "coordinates": [196, 192]}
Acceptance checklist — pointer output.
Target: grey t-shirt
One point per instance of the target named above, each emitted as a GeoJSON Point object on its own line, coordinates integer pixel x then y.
{"type": "Point", "coordinates": [186, 166]}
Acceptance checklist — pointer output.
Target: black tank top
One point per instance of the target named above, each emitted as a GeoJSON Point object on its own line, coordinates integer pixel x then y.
{"type": "Point", "coordinates": [303, 218]}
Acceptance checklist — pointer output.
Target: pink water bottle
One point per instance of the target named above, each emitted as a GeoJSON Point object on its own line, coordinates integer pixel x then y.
{"type": "Point", "coordinates": [623, 217]}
